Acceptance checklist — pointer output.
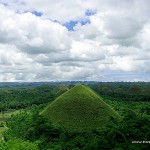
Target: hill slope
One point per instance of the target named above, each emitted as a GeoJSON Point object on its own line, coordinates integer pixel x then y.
{"type": "Point", "coordinates": [80, 109]}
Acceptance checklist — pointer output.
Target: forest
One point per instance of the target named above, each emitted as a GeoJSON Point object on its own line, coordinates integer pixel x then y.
{"type": "Point", "coordinates": [23, 127]}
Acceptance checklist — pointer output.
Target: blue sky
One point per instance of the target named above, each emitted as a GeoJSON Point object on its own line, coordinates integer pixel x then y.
{"type": "Point", "coordinates": [38, 14]}
{"type": "Point", "coordinates": [74, 40]}
{"type": "Point", "coordinates": [71, 24]}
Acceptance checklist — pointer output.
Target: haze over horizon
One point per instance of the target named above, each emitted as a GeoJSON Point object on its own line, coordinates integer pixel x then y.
{"type": "Point", "coordinates": [98, 40]}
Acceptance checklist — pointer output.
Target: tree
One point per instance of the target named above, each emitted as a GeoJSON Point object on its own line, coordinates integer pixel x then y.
{"type": "Point", "coordinates": [18, 144]}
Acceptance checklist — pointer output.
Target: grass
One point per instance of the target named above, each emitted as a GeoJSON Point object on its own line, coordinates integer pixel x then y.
{"type": "Point", "coordinates": [2, 129]}
{"type": "Point", "coordinates": [80, 109]}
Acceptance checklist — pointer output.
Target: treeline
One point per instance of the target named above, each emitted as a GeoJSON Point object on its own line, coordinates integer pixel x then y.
{"type": "Point", "coordinates": [22, 97]}
{"type": "Point", "coordinates": [126, 91]}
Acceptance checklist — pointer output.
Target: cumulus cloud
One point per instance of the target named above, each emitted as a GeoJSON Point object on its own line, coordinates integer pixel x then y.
{"type": "Point", "coordinates": [108, 36]}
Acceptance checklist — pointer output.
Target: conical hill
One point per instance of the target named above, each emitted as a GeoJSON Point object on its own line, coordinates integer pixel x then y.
{"type": "Point", "coordinates": [80, 109]}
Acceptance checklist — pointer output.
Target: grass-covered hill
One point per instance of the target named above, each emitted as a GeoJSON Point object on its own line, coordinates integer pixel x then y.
{"type": "Point", "coordinates": [80, 109]}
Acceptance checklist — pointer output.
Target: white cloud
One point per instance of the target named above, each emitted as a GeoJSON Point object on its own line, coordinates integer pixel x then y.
{"type": "Point", "coordinates": [10, 55]}
{"type": "Point", "coordinates": [33, 48]}
{"type": "Point", "coordinates": [87, 51]}
{"type": "Point", "coordinates": [145, 36]}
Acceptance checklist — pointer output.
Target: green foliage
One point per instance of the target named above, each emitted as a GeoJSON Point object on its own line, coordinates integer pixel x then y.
{"type": "Point", "coordinates": [133, 127]}
{"type": "Point", "coordinates": [141, 108]}
{"type": "Point", "coordinates": [28, 130]}
{"type": "Point", "coordinates": [18, 144]}
{"type": "Point", "coordinates": [60, 89]}
{"type": "Point", "coordinates": [20, 97]}
{"type": "Point", "coordinates": [17, 98]}
{"type": "Point", "coordinates": [18, 125]}
{"type": "Point", "coordinates": [126, 91]}
{"type": "Point", "coordinates": [134, 89]}
{"type": "Point", "coordinates": [80, 109]}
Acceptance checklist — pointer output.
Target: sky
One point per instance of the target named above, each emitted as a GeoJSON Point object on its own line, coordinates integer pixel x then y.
{"type": "Point", "coordinates": [87, 40]}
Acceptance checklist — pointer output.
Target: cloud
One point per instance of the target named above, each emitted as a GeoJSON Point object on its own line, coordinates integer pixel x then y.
{"type": "Point", "coordinates": [10, 55]}
{"type": "Point", "coordinates": [32, 34]}
{"type": "Point", "coordinates": [74, 40]}
{"type": "Point", "coordinates": [121, 27]}
{"type": "Point", "coordinates": [144, 36]}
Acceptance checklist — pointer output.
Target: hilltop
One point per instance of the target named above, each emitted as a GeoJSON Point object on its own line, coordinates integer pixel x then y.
{"type": "Point", "coordinates": [80, 109]}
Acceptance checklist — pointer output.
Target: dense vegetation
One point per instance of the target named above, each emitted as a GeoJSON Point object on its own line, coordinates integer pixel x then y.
{"type": "Point", "coordinates": [14, 96]}
{"type": "Point", "coordinates": [22, 97]}
{"type": "Point", "coordinates": [26, 129]}
{"type": "Point", "coordinates": [126, 91]}
{"type": "Point", "coordinates": [36, 130]}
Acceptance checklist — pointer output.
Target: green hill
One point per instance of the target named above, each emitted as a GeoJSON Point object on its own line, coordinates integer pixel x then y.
{"type": "Point", "coordinates": [80, 109]}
